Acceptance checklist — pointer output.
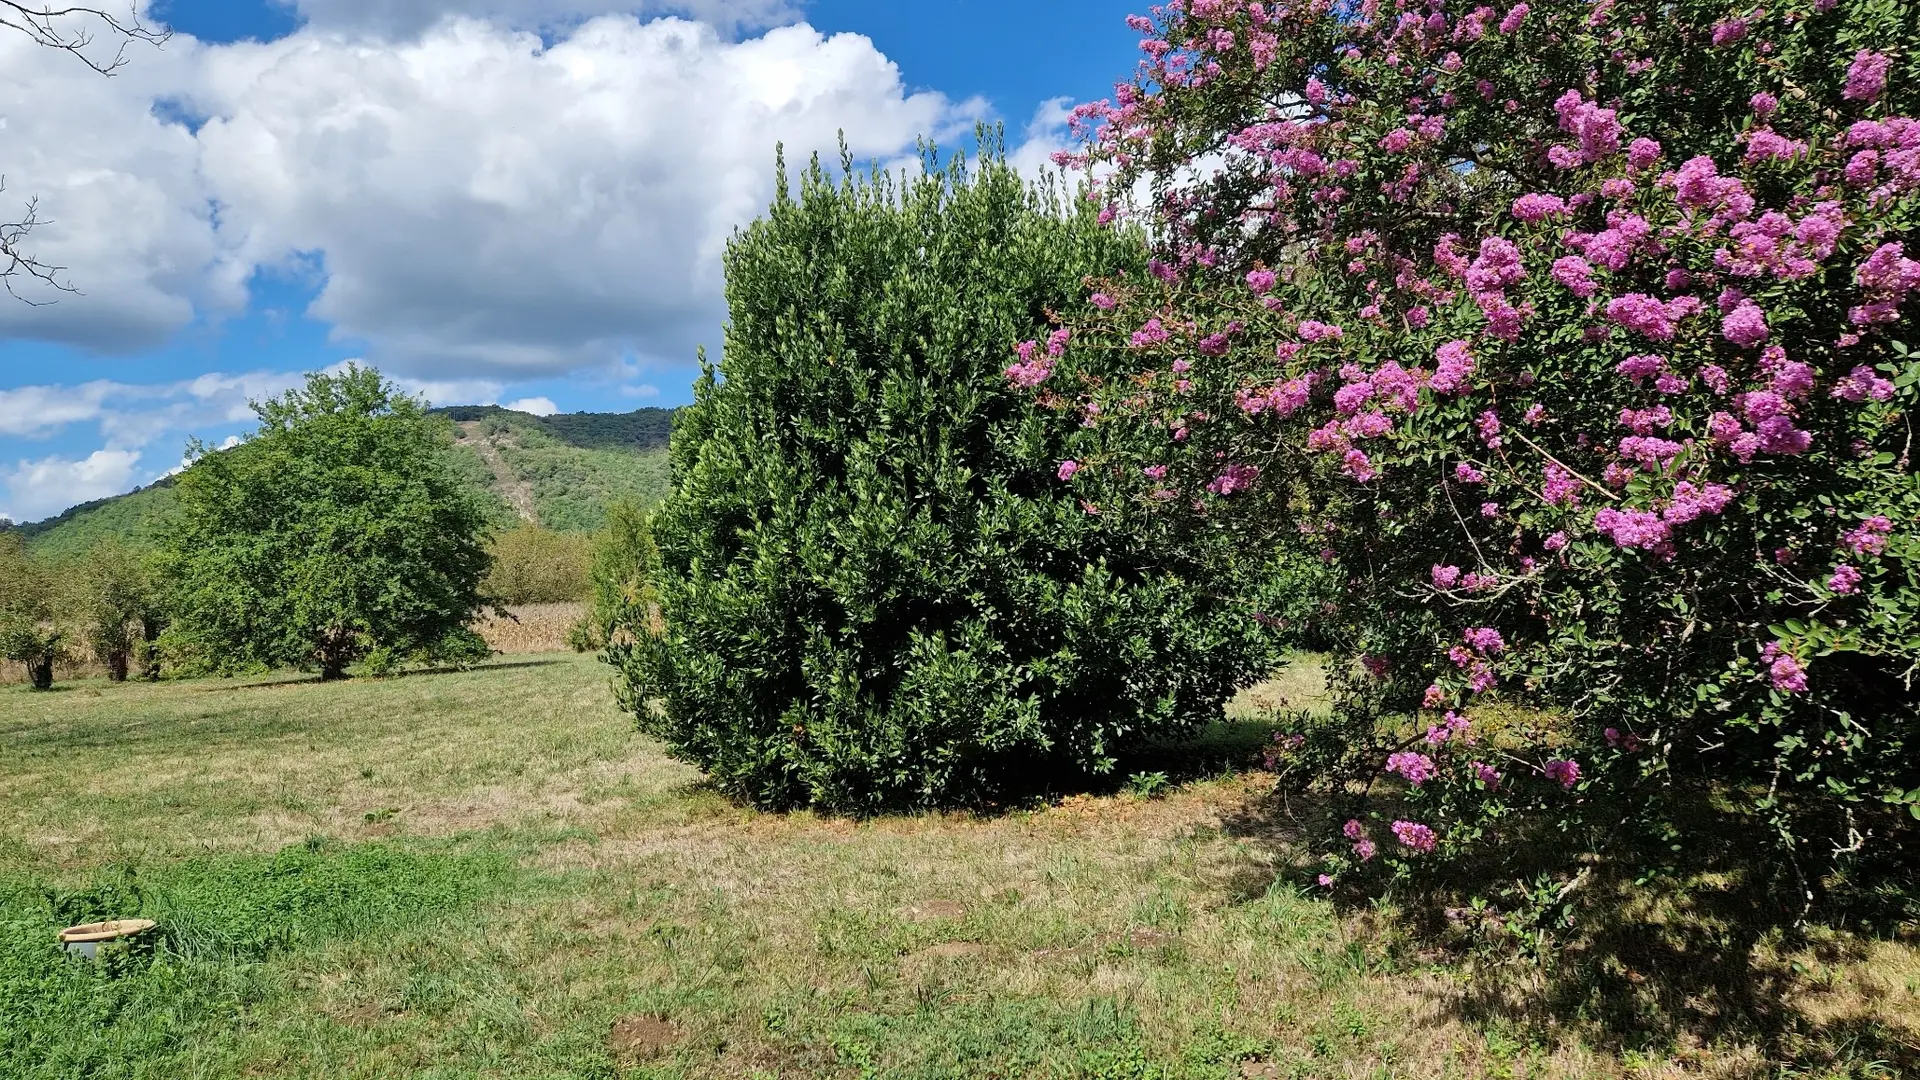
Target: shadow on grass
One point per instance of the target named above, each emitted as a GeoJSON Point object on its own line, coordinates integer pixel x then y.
{"type": "Point", "coordinates": [1723, 953]}
{"type": "Point", "coordinates": [274, 683]}
{"type": "Point", "coordinates": [506, 666]}
{"type": "Point", "coordinates": [1154, 767]}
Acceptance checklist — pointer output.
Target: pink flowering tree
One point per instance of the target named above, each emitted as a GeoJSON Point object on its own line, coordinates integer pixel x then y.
{"type": "Point", "coordinates": [1571, 340]}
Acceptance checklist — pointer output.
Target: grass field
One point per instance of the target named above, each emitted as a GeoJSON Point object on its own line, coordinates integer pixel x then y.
{"type": "Point", "coordinates": [486, 874]}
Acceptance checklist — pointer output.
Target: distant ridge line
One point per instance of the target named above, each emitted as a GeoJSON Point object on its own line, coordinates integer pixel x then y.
{"type": "Point", "coordinates": [641, 429]}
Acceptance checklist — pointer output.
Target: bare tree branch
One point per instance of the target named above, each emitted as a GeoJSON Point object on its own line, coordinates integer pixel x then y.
{"type": "Point", "coordinates": [71, 30]}
{"type": "Point", "coordinates": [15, 262]}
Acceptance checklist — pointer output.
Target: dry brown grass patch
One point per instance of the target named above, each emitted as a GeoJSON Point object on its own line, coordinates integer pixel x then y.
{"type": "Point", "coordinates": [531, 629]}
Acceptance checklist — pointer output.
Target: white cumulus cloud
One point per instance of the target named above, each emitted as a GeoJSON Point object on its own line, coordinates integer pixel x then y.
{"type": "Point", "coordinates": [120, 200]}
{"type": "Point", "coordinates": [37, 489]}
{"type": "Point", "coordinates": [538, 406]}
{"type": "Point", "coordinates": [480, 203]}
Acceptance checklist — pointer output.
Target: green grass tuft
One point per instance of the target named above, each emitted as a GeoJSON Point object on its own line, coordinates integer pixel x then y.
{"type": "Point", "coordinates": [211, 963]}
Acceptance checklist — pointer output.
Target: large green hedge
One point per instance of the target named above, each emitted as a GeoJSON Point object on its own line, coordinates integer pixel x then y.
{"type": "Point", "coordinates": [877, 591]}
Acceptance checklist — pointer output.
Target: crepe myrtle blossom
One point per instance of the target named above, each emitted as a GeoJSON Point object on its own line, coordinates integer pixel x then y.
{"type": "Point", "coordinates": [1615, 738]}
{"type": "Point", "coordinates": [1452, 726]}
{"type": "Point", "coordinates": [1784, 670]}
{"type": "Point", "coordinates": [1415, 837]}
{"type": "Point", "coordinates": [1032, 368]}
{"type": "Point", "coordinates": [1862, 384]}
{"type": "Point", "coordinates": [1867, 76]}
{"type": "Point", "coordinates": [1455, 365]}
{"type": "Point", "coordinates": [1745, 325]}
{"type": "Point", "coordinates": [1416, 768]}
{"type": "Point", "coordinates": [1233, 478]}
{"type": "Point", "coordinates": [1485, 640]}
{"type": "Point", "coordinates": [1845, 579]}
{"type": "Point", "coordinates": [1870, 537]}
{"type": "Point", "coordinates": [1563, 771]}
{"type": "Point", "coordinates": [1356, 832]}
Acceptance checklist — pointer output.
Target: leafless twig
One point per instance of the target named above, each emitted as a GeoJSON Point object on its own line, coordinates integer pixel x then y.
{"type": "Point", "coordinates": [71, 30]}
{"type": "Point", "coordinates": [15, 262]}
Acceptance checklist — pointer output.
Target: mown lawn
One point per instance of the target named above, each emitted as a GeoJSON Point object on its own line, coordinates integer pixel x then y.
{"type": "Point", "coordinates": [486, 874]}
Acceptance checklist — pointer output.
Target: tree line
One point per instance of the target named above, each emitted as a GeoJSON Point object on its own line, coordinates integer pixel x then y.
{"type": "Point", "coordinates": [335, 537]}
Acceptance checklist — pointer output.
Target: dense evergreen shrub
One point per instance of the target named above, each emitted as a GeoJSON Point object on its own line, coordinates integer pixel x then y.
{"type": "Point", "coordinates": [1575, 338]}
{"type": "Point", "coordinates": [877, 589]}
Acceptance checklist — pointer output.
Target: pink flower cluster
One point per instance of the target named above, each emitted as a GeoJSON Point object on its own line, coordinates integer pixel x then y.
{"type": "Point", "coordinates": [1561, 487]}
{"type": "Point", "coordinates": [1282, 398]}
{"type": "Point", "coordinates": [1034, 368]}
{"type": "Point", "coordinates": [1597, 131]}
{"type": "Point", "coordinates": [1416, 768]}
{"type": "Point", "coordinates": [1863, 383]}
{"type": "Point", "coordinates": [1845, 579]}
{"type": "Point", "coordinates": [1452, 726]}
{"type": "Point", "coordinates": [1415, 837]}
{"type": "Point", "coordinates": [1455, 365]}
{"type": "Point", "coordinates": [1562, 771]}
{"type": "Point", "coordinates": [1869, 537]}
{"type": "Point", "coordinates": [1233, 478]}
{"type": "Point", "coordinates": [1355, 831]}
{"type": "Point", "coordinates": [1783, 669]}
{"type": "Point", "coordinates": [1867, 76]}
{"type": "Point", "coordinates": [1649, 317]}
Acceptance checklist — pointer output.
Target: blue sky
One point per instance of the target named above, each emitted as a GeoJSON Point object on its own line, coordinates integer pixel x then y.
{"type": "Point", "coordinates": [487, 215]}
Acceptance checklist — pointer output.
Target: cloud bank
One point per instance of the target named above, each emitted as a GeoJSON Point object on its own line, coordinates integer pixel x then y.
{"type": "Point", "coordinates": [479, 202]}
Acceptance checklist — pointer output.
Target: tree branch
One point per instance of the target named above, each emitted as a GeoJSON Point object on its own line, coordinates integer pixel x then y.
{"type": "Point", "coordinates": [69, 30]}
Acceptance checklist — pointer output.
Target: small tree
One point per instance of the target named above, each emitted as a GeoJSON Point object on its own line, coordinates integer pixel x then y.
{"type": "Point", "coordinates": [535, 565]}
{"type": "Point", "coordinates": [336, 534]}
{"type": "Point", "coordinates": [110, 596]}
{"type": "Point", "coordinates": [877, 589]}
{"type": "Point", "coordinates": [26, 610]}
{"type": "Point", "coordinates": [620, 578]}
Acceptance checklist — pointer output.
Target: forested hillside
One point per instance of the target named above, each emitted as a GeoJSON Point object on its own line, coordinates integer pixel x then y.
{"type": "Point", "coordinates": [559, 471]}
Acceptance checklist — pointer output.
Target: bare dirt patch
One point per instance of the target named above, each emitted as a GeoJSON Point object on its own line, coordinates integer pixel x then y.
{"type": "Point", "coordinates": [936, 910]}
{"type": "Point", "coordinates": [637, 1038]}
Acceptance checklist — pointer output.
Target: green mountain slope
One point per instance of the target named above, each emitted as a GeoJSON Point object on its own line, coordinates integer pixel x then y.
{"type": "Point", "coordinates": [558, 471]}
{"type": "Point", "coordinates": [542, 473]}
{"type": "Point", "coordinates": [130, 517]}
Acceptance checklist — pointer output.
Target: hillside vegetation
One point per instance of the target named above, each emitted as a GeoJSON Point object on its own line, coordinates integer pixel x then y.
{"type": "Point", "coordinates": [563, 475]}
{"type": "Point", "coordinates": [560, 472]}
